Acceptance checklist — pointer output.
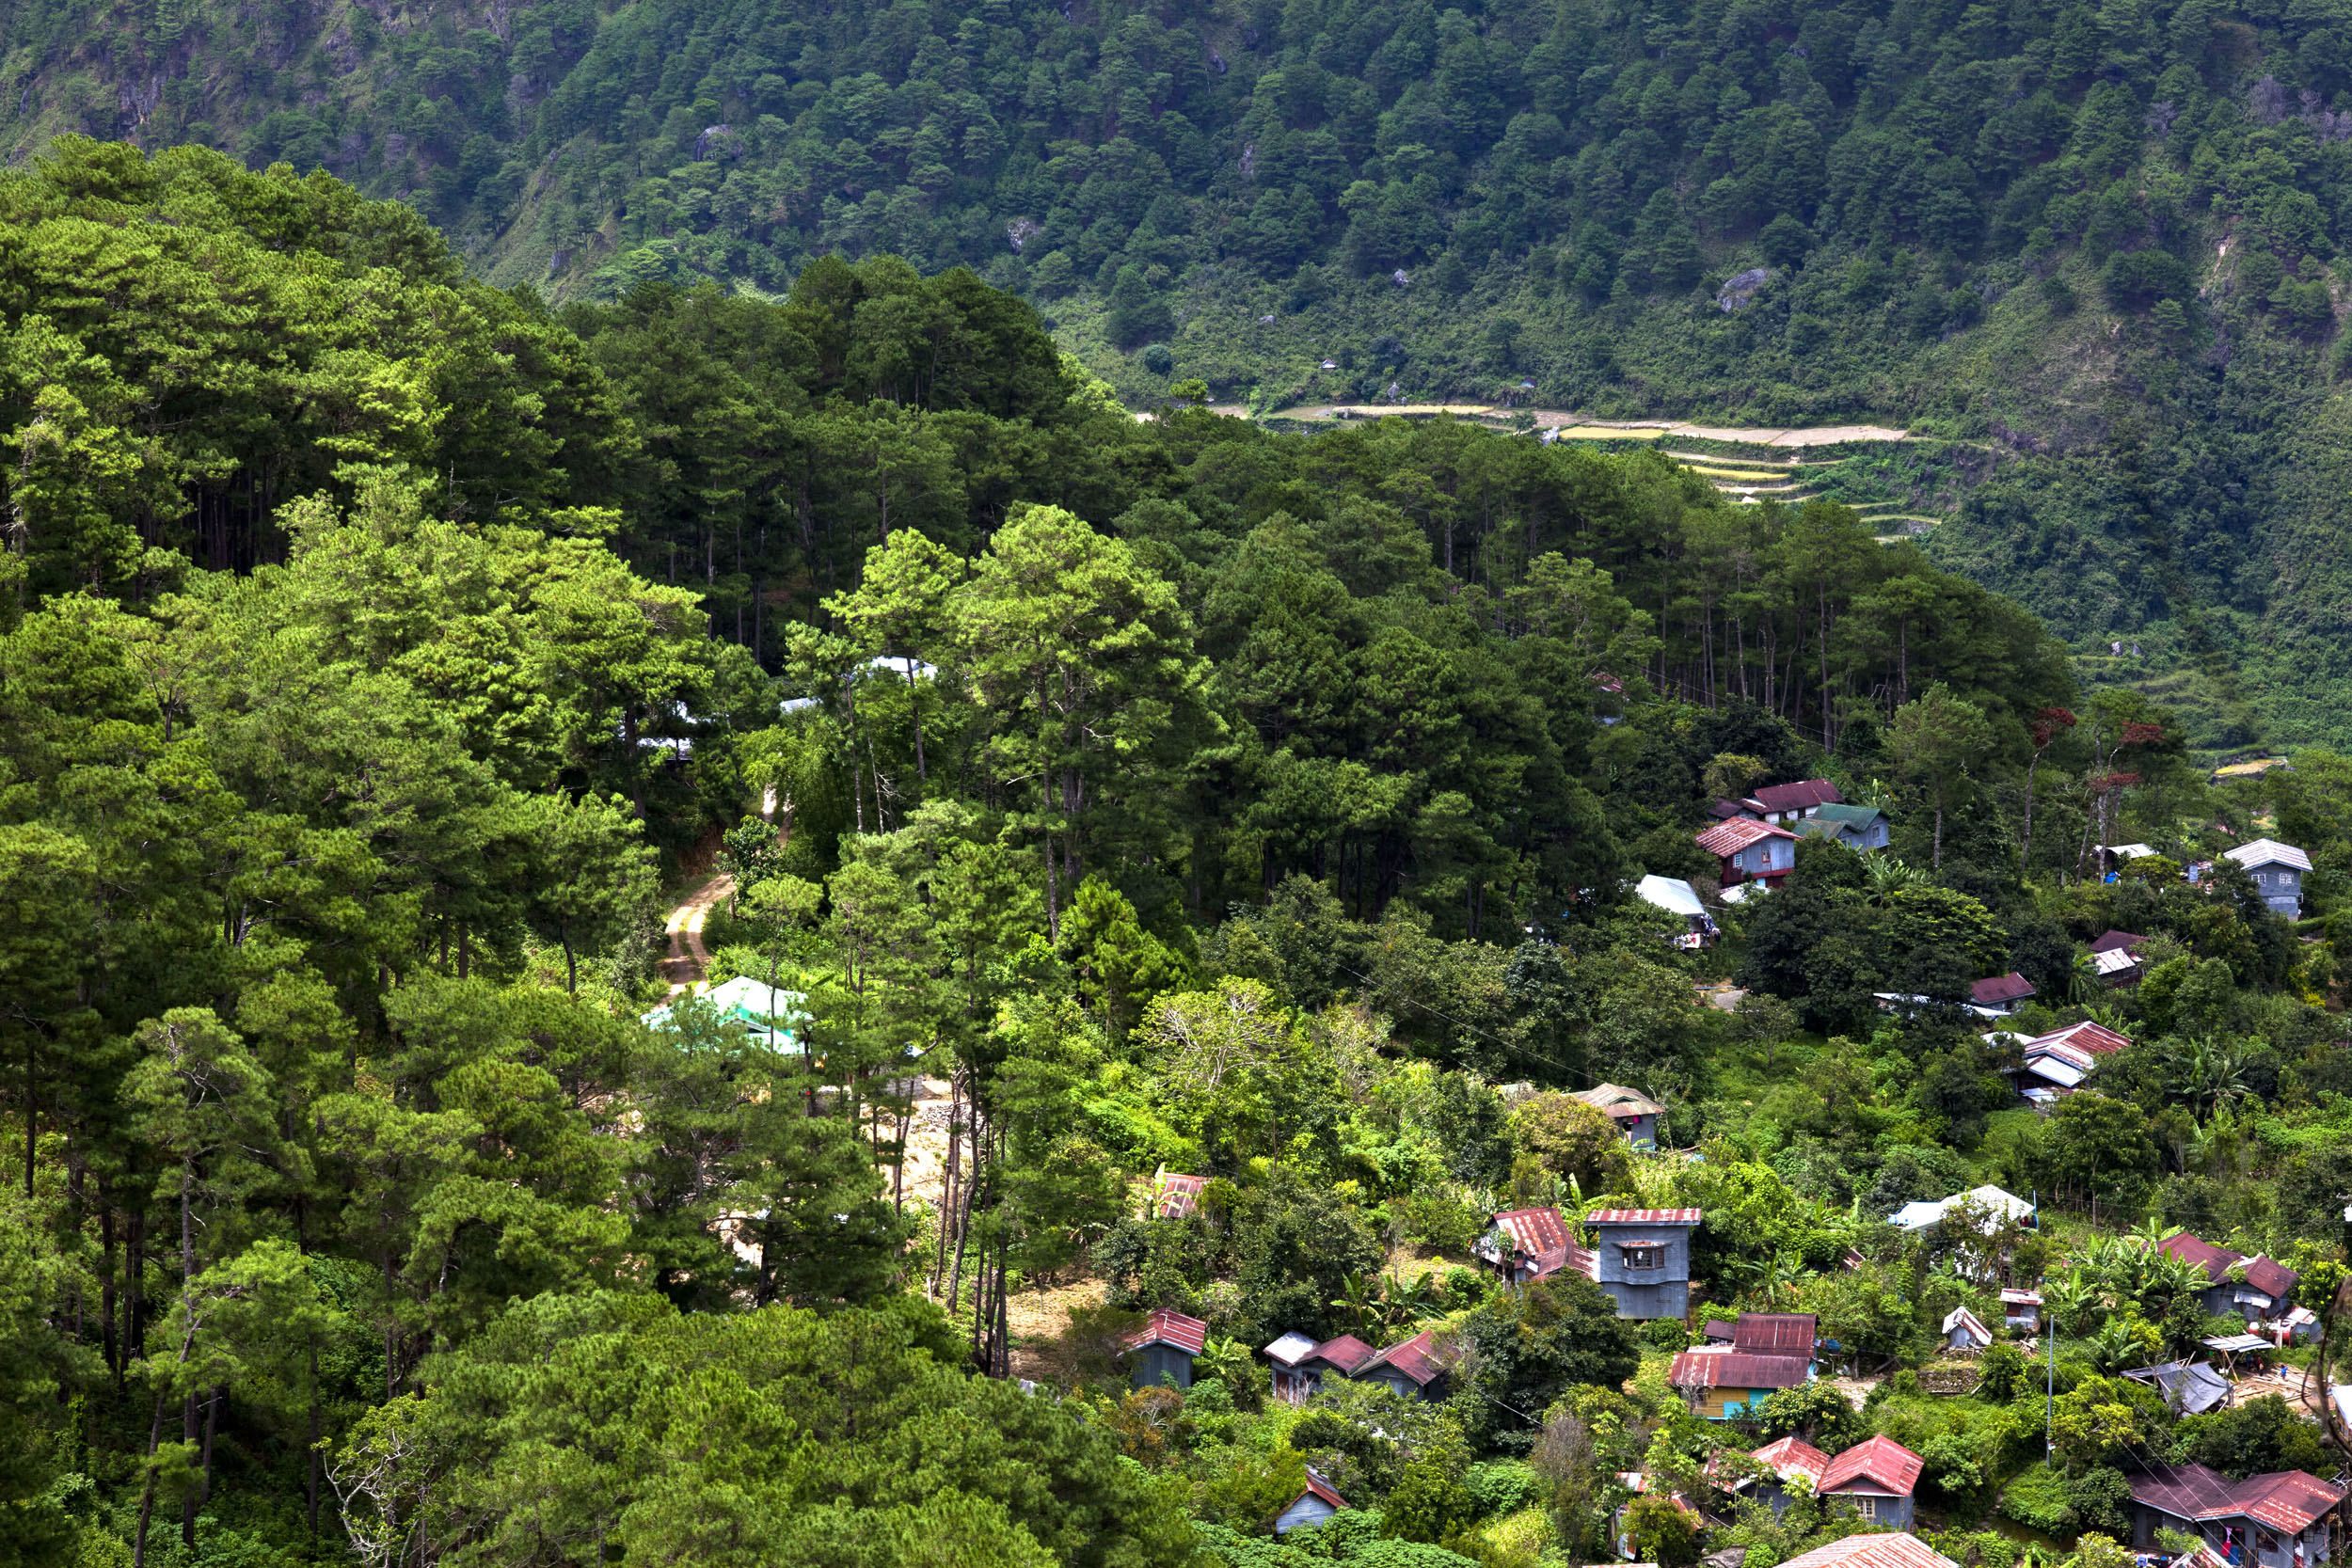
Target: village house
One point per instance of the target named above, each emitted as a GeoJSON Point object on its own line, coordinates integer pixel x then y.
{"type": "Point", "coordinates": [1415, 1368]}
{"type": "Point", "coordinates": [1746, 848]}
{"type": "Point", "coordinates": [1879, 1476]}
{"type": "Point", "coordinates": [2249, 1288]}
{"type": "Point", "coordinates": [1316, 1502]}
{"type": "Point", "coordinates": [1164, 1349]}
{"type": "Point", "coordinates": [1530, 1243]}
{"type": "Point", "coordinates": [2020, 1312]}
{"type": "Point", "coordinates": [2278, 870]}
{"type": "Point", "coordinates": [1779, 804]}
{"type": "Point", "coordinates": [1641, 1257]}
{"type": "Point", "coordinates": [2000, 994]}
{"type": "Point", "coordinates": [2277, 1520]}
{"type": "Point", "coordinates": [1858, 827]}
{"type": "Point", "coordinates": [1635, 1114]}
{"type": "Point", "coordinates": [1725, 1384]}
{"type": "Point", "coordinates": [1879, 1549]}
{"type": "Point", "coordinates": [1785, 1459]}
{"type": "Point", "coordinates": [2052, 1066]}
{"type": "Point", "coordinates": [2115, 955]}
{"type": "Point", "coordinates": [1300, 1363]}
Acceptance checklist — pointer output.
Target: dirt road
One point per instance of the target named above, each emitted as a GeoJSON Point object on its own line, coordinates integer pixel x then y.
{"type": "Point", "coordinates": [689, 962]}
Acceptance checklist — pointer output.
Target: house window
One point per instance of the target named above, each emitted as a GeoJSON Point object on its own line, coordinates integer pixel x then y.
{"type": "Point", "coordinates": [1644, 1254]}
{"type": "Point", "coordinates": [1867, 1507]}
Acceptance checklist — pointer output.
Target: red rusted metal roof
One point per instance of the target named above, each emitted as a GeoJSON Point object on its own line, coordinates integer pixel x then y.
{"type": "Point", "coordinates": [2113, 941]}
{"type": "Point", "coordinates": [2288, 1500]}
{"type": "Point", "coordinates": [1998, 989]}
{"type": "Point", "coordinates": [1881, 1460]}
{"type": "Point", "coordinates": [1792, 1456]}
{"type": "Point", "coordinates": [1775, 1332]}
{"type": "Point", "coordinates": [1726, 839]}
{"type": "Point", "coordinates": [1318, 1487]}
{"type": "Point", "coordinates": [1889, 1549]}
{"type": "Point", "coordinates": [1165, 1327]}
{"type": "Point", "coordinates": [2215, 1260]}
{"type": "Point", "coordinates": [1175, 1195]}
{"type": "Point", "coordinates": [1539, 1235]}
{"type": "Point", "coordinates": [1645, 1216]}
{"type": "Point", "coordinates": [2271, 1277]}
{"type": "Point", "coordinates": [1344, 1353]}
{"type": "Point", "coordinates": [1420, 1358]}
{"type": "Point", "coordinates": [2096, 1039]}
{"type": "Point", "coordinates": [2266, 1275]}
{"type": "Point", "coordinates": [1733, 1370]}
{"type": "Point", "coordinates": [1803, 794]}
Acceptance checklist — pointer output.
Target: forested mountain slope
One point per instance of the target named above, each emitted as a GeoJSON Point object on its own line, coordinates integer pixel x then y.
{"type": "Point", "coordinates": [2097, 245]}
{"type": "Point", "coordinates": [381, 652]}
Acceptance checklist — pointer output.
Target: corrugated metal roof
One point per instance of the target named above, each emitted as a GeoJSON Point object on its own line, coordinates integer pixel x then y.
{"type": "Point", "coordinates": [1804, 793]}
{"type": "Point", "coordinates": [1536, 1236]}
{"type": "Point", "coordinates": [1732, 1370]}
{"type": "Point", "coordinates": [2020, 1298]}
{"type": "Point", "coordinates": [2268, 851]}
{"type": "Point", "coordinates": [2097, 1038]}
{"type": "Point", "coordinates": [1344, 1353]}
{"type": "Point", "coordinates": [2114, 960]}
{"type": "Point", "coordinates": [2266, 1275]}
{"type": "Point", "coordinates": [1729, 838]}
{"type": "Point", "coordinates": [1290, 1350]}
{"type": "Point", "coordinates": [1995, 990]}
{"type": "Point", "coordinates": [1792, 1456]}
{"type": "Point", "coordinates": [1619, 1101]}
{"type": "Point", "coordinates": [1777, 1332]}
{"type": "Point", "coordinates": [1889, 1549]}
{"type": "Point", "coordinates": [1645, 1216]}
{"type": "Point", "coordinates": [1318, 1487]}
{"type": "Point", "coordinates": [2271, 1277]}
{"type": "Point", "coordinates": [1174, 1194]}
{"type": "Point", "coordinates": [1880, 1458]}
{"type": "Point", "coordinates": [1165, 1327]}
{"type": "Point", "coordinates": [2116, 941]}
{"type": "Point", "coordinates": [1420, 1358]}
{"type": "Point", "coordinates": [1853, 816]}
{"type": "Point", "coordinates": [2288, 1500]}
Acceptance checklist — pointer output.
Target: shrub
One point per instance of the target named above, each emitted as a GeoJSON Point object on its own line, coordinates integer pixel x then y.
{"type": "Point", "coordinates": [1157, 359]}
{"type": "Point", "coordinates": [2136, 280]}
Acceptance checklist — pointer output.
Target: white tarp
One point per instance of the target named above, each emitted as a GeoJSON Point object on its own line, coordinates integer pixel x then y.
{"type": "Point", "coordinates": [1671, 894]}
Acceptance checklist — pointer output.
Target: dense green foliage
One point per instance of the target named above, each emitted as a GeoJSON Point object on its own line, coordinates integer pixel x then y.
{"type": "Point", "coordinates": [2100, 246]}
{"type": "Point", "coordinates": [1105, 795]}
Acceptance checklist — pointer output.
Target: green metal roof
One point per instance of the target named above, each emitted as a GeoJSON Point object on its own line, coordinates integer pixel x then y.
{"type": "Point", "coordinates": [1853, 816]}
{"type": "Point", "coordinates": [768, 1012]}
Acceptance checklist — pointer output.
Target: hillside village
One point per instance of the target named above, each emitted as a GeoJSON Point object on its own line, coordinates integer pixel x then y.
{"type": "Point", "coordinates": [1948, 1381]}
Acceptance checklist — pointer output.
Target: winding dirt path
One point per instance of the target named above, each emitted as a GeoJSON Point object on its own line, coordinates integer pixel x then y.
{"type": "Point", "coordinates": [690, 960]}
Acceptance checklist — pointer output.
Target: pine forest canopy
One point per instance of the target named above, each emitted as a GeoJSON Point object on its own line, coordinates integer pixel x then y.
{"type": "Point", "coordinates": [2094, 247]}
{"type": "Point", "coordinates": [382, 650]}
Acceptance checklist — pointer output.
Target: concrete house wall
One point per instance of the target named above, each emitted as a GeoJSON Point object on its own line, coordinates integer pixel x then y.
{"type": "Point", "coordinates": [1660, 1292]}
